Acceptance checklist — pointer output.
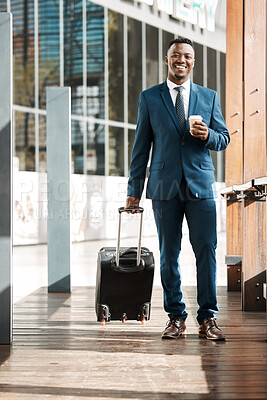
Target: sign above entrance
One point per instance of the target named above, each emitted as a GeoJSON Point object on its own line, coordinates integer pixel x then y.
{"type": "Point", "coordinates": [201, 12]}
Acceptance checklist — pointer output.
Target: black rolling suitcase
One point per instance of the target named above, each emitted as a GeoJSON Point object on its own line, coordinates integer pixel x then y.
{"type": "Point", "coordinates": [124, 280]}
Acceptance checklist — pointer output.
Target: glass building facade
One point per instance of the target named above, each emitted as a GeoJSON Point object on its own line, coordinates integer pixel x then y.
{"type": "Point", "coordinates": [107, 58]}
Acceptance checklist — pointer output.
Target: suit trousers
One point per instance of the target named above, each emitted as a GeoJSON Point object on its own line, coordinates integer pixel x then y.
{"type": "Point", "coordinates": [201, 218]}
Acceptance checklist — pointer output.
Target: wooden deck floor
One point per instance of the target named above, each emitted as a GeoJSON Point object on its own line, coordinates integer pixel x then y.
{"type": "Point", "coordinates": [61, 352]}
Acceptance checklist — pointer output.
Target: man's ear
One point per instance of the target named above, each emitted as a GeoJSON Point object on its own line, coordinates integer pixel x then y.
{"type": "Point", "coordinates": [166, 60]}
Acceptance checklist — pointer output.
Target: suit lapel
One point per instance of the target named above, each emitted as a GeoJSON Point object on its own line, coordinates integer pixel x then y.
{"type": "Point", "coordinates": [166, 97]}
{"type": "Point", "coordinates": [193, 99]}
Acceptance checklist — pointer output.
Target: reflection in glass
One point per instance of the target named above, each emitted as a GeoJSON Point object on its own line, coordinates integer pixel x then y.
{"type": "Point", "coordinates": [166, 37]}
{"type": "Point", "coordinates": [222, 82]}
{"type": "Point", "coordinates": [48, 47]}
{"type": "Point", "coordinates": [211, 67]}
{"type": "Point", "coordinates": [95, 156]}
{"type": "Point", "coordinates": [24, 132]}
{"type": "Point", "coordinates": [95, 61]}
{"type": "Point", "coordinates": [116, 151]}
{"type": "Point", "coordinates": [223, 164]}
{"type": "Point", "coordinates": [222, 102]}
{"type": "Point", "coordinates": [77, 154]}
{"type": "Point", "coordinates": [134, 67]}
{"type": "Point", "coordinates": [152, 55]}
{"type": "Point", "coordinates": [3, 6]}
{"type": "Point", "coordinates": [23, 50]}
{"type": "Point", "coordinates": [115, 66]}
{"type": "Point", "coordinates": [73, 52]}
{"type": "Point", "coordinates": [198, 68]}
{"type": "Point", "coordinates": [131, 136]}
{"type": "Point", "coordinates": [214, 161]}
{"type": "Point", "coordinates": [42, 143]}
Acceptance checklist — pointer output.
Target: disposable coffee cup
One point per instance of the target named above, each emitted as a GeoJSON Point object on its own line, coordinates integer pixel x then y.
{"type": "Point", "coordinates": [192, 120]}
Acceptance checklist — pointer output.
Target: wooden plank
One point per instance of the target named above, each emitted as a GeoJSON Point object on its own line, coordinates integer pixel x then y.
{"type": "Point", "coordinates": [254, 89]}
{"type": "Point", "coordinates": [234, 242]}
{"type": "Point", "coordinates": [234, 117]}
{"type": "Point", "coordinates": [61, 352]}
{"type": "Point", "coordinates": [234, 92]}
{"type": "Point", "coordinates": [254, 238]}
{"type": "Point", "coordinates": [254, 254]}
{"type": "Point", "coordinates": [234, 227]}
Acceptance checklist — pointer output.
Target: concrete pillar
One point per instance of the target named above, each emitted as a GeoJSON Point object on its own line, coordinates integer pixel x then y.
{"type": "Point", "coordinates": [6, 144]}
{"type": "Point", "coordinates": [58, 181]}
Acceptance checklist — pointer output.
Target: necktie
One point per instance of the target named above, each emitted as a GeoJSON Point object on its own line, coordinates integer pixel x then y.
{"type": "Point", "coordinates": [179, 106]}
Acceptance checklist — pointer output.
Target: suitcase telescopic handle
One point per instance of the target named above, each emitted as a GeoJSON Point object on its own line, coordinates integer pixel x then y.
{"type": "Point", "coordinates": [121, 210]}
{"type": "Point", "coordinates": [132, 208]}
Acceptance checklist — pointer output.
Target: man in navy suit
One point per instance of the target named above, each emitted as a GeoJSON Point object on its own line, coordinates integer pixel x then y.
{"type": "Point", "coordinates": [181, 182]}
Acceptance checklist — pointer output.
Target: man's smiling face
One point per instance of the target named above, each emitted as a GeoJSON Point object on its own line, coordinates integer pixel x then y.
{"type": "Point", "coordinates": [180, 60]}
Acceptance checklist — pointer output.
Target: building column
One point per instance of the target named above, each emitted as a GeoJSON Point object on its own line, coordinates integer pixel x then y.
{"type": "Point", "coordinates": [58, 181]}
{"type": "Point", "coordinates": [6, 205]}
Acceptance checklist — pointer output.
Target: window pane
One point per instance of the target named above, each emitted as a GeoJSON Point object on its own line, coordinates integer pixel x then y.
{"type": "Point", "coordinates": [134, 67]}
{"type": "Point", "coordinates": [24, 130]}
{"type": "Point", "coordinates": [214, 161]}
{"type": "Point", "coordinates": [116, 151]}
{"type": "Point", "coordinates": [131, 136]}
{"type": "Point", "coordinates": [3, 7]}
{"type": "Point", "coordinates": [115, 66]}
{"type": "Point", "coordinates": [166, 37]}
{"type": "Point", "coordinates": [48, 47]}
{"type": "Point", "coordinates": [222, 102]}
{"type": "Point", "coordinates": [23, 42]}
{"type": "Point", "coordinates": [198, 68]}
{"type": "Point", "coordinates": [223, 166]}
{"type": "Point", "coordinates": [77, 129]}
{"type": "Point", "coordinates": [95, 157]}
{"type": "Point", "coordinates": [222, 81]}
{"type": "Point", "coordinates": [211, 66]}
{"type": "Point", "coordinates": [152, 55]}
{"type": "Point", "coordinates": [73, 52]}
{"type": "Point", "coordinates": [95, 61]}
{"type": "Point", "coordinates": [42, 144]}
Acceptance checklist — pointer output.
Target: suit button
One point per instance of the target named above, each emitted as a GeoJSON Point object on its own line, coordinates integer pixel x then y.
{"type": "Point", "coordinates": [182, 143]}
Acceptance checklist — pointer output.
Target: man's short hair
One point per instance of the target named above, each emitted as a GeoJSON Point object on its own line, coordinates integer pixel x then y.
{"type": "Point", "coordinates": [180, 40]}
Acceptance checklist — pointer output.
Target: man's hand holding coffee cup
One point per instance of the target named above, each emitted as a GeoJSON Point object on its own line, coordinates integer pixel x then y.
{"type": "Point", "coordinates": [198, 128]}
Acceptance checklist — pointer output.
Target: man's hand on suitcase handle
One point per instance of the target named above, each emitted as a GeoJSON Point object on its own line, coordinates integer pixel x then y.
{"type": "Point", "coordinates": [132, 202]}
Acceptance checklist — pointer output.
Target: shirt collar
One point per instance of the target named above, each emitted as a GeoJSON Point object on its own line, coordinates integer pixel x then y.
{"type": "Point", "coordinates": [171, 85]}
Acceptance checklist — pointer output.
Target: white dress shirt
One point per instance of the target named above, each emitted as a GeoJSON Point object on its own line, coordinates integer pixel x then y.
{"type": "Point", "coordinates": [186, 93]}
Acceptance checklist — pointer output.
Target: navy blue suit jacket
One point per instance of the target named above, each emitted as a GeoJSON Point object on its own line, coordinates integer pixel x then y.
{"type": "Point", "coordinates": [174, 152]}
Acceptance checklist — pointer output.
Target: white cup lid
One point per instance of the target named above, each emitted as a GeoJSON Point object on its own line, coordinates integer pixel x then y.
{"type": "Point", "coordinates": [195, 117]}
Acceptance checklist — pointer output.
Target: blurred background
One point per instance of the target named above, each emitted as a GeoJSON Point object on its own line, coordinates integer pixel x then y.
{"type": "Point", "coordinates": [107, 52]}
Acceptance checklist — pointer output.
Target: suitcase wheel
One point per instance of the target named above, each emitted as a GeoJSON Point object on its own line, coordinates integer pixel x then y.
{"type": "Point", "coordinates": [103, 314]}
{"type": "Point", "coordinates": [144, 313]}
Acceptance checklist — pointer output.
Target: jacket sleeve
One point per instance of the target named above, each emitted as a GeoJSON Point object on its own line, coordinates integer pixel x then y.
{"type": "Point", "coordinates": [141, 149]}
{"type": "Point", "coordinates": [219, 137]}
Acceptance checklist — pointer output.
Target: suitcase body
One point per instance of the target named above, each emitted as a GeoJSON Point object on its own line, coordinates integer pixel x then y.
{"type": "Point", "coordinates": [124, 287]}
{"type": "Point", "coordinates": [123, 293]}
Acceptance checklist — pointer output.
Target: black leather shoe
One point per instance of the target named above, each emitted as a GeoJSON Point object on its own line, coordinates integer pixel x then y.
{"type": "Point", "coordinates": [175, 328]}
{"type": "Point", "coordinates": [209, 330]}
